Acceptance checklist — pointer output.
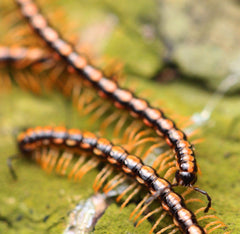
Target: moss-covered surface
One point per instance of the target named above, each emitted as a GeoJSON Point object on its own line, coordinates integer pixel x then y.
{"type": "Point", "coordinates": [27, 202]}
{"type": "Point", "coordinates": [39, 202]}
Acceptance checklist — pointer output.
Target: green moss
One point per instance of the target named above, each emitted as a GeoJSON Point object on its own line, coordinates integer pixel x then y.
{"type": "Point", "coordinates": [110, 223]}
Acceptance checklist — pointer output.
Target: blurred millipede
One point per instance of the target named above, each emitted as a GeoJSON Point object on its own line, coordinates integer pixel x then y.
{"type": "Point", "coordinates": [25, 56]}
{"type": "Point", "coordinates": [186, 173]}
{"type": "Point", "coordinates": [73, 141]}
{"type": "Point", "coordinates": [30, 65]}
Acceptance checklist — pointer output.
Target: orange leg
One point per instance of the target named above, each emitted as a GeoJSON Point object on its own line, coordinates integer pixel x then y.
{"type": "Point", "coordinates": [76, 166]}
{"type": "Point", "coordinates": [170, 172]}
{"type": "Point", "coordinates": [135, 191]}
{"type": "Point", "coordinates": [149, 215]}
{"type": "Point", "coordinates": [121, 180]}
{"type": "Point", "coordinates": [133, 128]}
{"type": "Point", "coordinates": [119, 125]}
{"type": "Point", "coordinates": [216, 227]}
{"type": "Point", "coordinates": [76, 92]}
{"type": "Point", "coordinates": [110, 119]}
{"type": "Point", "coordinates": [146, 140]}
{"type": "Point", "coordinates": [50, 154]}
{"type": "Point", "coordinates": [157, 222]}
{"type": "Point", "coordinates": [168, 165]}
{"type": "Point", "coordinates": [187, 192]}
{"type": "Point", "coordinates": [109, 183]}
{"type": "Point", "coordinates": [143, 209]}
{"type": "Point", "coordinates": [193, 200]}
{"type": "Point", "coordinates": [99, 113]}
{"type": "Point", "coordinates": [37, 156]}
{"type": "Point", "coordinates": [103, 179]}
{"type": "Point", "coordinates": [68, 158]}
{"type": "Point", "coordinates": [151, 149]}
{"type": "Point", "coordinates": [130, 187]}
{"type": "Point", "coordinates": [214, 223]}
{"type": "Point", "coordinates": [160, 169]}
{"type": "Point", "coordinates": [86, 168]}
{"type": "Point", "coordinates": [159, 159]}
{"type": "Point", "coordinates": [53, 161]}
{"type": "Point", "coordinates": [139, 205]}
{"type": "Point", "coordinates": [92, 106]}
{"type": "Point", "coordinates": [166, 228]}
{"type": "Point", "coordinates": [99, 175]}
{"type": "Point", "coordinates": [140, 134]}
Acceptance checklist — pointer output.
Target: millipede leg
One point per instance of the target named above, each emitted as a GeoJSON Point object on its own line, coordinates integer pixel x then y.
{"type": "Point", "coordinates": [199, 210]}
{"type": "Point", "coordinates": [85, 168]}
{"type": "Point", "coordinates": [213, 223]}
{"type": "Point", "coordinates": [37, 156]}
{"type": "Point", "coordinates": [187, 192]}
{"type": "Point", "coordinates": [92, 106]}
{"type": "Point", "coordinates": [76, 92]}
{"type": "Point", "coordinates": [121, 180]}
{"type": "Point", "coordinates": [139, 205]}
{"type": "Point", "coordinates": [135, 191]}
{"type": "Point", "coordinates": [132, 133]}
{"type": "Point", "coordinates": [68, 157]}
{"type": "Point", "coordinates": [146, 140]}
{"type": "Point", "coordinates": [207, 217]}
{"type": "Point", "coordinates": [133, 128]}
{"type": "Point", "coordinates": [110, 119]}
{"type": "Point", "coordinates": [99, 175]}
{"type": "Point", "coordinates": [164, 161]}
{"type": "Point", "coordinates": [174, 231]}
{"type": "Point", "coordinates": [157, 222]}
{"type": "Point", "coordinates": [44, 153]}
{"type": "Point", "coordinates": [109, 183]}
{"type": "Point", "coordinates": [51, 154]}
{"type": "Point", "coordinates": [119, 125]}
{"type": "Point", "coordinates": [135, 137]}
{"type": "Point", "coordinates": [151, 149]}
{"type": "Point", "coordinates": [76, 166]}
{"type": "Point", "coordinates": [193, 200]}
{"type": "Point", "coordinates": [170, 172]}
{"type": "Point", "coordinates": [139, 150]}
{"type": "Point", "coordinates": [166, 228]}
{"type": "Point", "coordinates": [130, 187]}
{"type": "Point", "coordinates": [60, 162]}
{"type": "Point", "coordinates": [168, 165]}
{"type": "Point", "coordinates": [53, 161]}
{"type": "Point", "coordinates": [99, 112]}
{"type": "Point", "coordinates": [143, 209]}
{"type": "Point", "coordinates": [149, 215]}
{"type": "Point", "coordinates": [216, 227]}
{"type": "Point", "coordinates": [103, 179]}
{"type": "Point", "coordinates": [159, 159]}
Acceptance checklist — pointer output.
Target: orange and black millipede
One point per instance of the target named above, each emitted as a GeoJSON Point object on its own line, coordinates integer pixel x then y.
{"type": "Point", "coordinates": [74, 140]}
{"type": "Point", "coordinates": [16, 54]}
{"type": "Point", "coordinates": [186, 174]}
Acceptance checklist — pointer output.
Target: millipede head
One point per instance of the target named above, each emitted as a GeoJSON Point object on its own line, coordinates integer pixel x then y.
{"type": "Point", "coordinates": [185, 178]}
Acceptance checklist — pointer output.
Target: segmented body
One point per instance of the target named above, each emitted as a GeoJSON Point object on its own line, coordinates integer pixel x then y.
{"type": "Point", "coordinates": [122, 98]}
{"type": "Point", "coordinates": [131, 165]}
{"type": "Point", "coordinates": [22, 55]}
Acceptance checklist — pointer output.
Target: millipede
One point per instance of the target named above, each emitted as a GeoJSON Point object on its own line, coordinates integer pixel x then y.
{"type": "Point", "coordinates": [74, 141]}
{"type": "Point", "coordinates": [22, 55]}
{"type": "Point", "coordinates": [28, 67]}
{"type": "Point", "coordinates": [186, 173]}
